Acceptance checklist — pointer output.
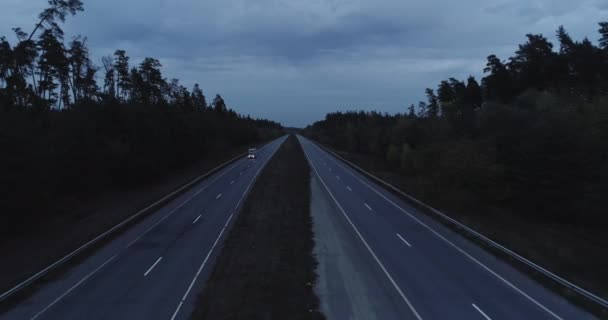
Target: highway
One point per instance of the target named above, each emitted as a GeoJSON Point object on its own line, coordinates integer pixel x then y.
{"type": "Point", "coordinates": [155, 269]}
{"type": "Point", "coordinates": [415, 267]}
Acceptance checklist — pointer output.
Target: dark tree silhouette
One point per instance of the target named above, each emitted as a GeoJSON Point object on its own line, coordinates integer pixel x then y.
{"type": "Point", "coordinates": [65, 139]}
{"type": "Point", "coordinates": [218, 104]}
{"type": "Point", "coordinates": [198, 98]}
{"type": "Point", "coordinates": [604, 35]}
{"type": "Point", "coordinates": [411, 111]}
{"type": "Point", "coordinates": [432, 105]}
{"type": "Point", "coordinates": [57, 11]}
{"type": "Point", "coordinates": [121, 65]}
{"type": "Point", "coordinates": [498, 84]}
{"type": "Point", "coordinates": [530, 138]}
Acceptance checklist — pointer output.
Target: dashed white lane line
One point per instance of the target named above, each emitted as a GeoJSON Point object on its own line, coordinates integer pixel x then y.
{"type": "Point", "coordinates": [180, 206]}
{"type": "Point", "coordinates": [482, 313]}
{"type": "Point", "coordinates": [505, 281]}
{"type": "Point", "coordinates": [232, 182]}
{"type": "Point", "coordinates": [130, 244]}
{"type": "Point", "coordinates": [72, 288]}
{"type": "Point", "coordinates": [388, 275]}
{"type": "Point", "coordinates": [152, 267]}
{"type": "Point", "coordinates": [338, 177]}
{"type": "Point", "coordinates": [349, 189]}
{"type": "Point", "coordinates": [368, 207]}
{"type": "Point", "coordinates": [404, 241]}
{"type": "Point", "coordinates": [329, 169]}
{"type": "Point", "coordinates": [218, 196]}
{"type": "Point", "coordinates": [198, 272]}
{"type": "Point", "coordinates": [181, 303]}
{"type": "Point", "coordinates": [195, 220]}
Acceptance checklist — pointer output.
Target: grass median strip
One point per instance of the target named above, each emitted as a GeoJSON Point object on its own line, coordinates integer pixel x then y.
{"type": "Point", "coordinates": [266, 269]}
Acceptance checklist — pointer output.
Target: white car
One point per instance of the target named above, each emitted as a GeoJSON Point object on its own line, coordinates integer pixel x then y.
{"type": "Point", "coordinates": [251, 154]}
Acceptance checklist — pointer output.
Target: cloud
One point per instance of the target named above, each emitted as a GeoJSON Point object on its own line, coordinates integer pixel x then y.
{"type": "Point", "coordinates": [295, 60]}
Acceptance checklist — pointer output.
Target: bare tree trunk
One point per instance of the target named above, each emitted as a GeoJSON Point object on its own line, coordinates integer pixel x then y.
{"type": "Point", "coordinates": [60, 97]}
{"type": "Point", "coordinates": [34, 80]}
{"type": "Point", "coordinates": [40, 24]}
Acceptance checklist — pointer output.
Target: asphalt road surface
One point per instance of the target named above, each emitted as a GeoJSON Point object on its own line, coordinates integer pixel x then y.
{"type": "Point", "coordinates": [401, 264]}
{"type": "Point", "coordinates": [155, 269]}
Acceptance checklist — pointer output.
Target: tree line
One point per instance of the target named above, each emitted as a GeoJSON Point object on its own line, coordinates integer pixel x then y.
{"type": "Point", "coordinates": [70, 128]}
{"type": "Point", "coordinates": [531, 136]}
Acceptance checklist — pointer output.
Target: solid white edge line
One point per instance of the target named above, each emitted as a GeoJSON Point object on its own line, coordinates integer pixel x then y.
{"type": "Point", "coordinates": [407, 301]}
{"type": "Point", "coordinates": [132, 242]}
{"type": "Point", "coordinates": [256, 175]}
{"type": "Point", "coordinates": [152, 267]}
{"type": "Point", "coordinates": [84, 246]}
{"type": "Point", "coordinates": [72, 288]}
{"type": "Point", "coordinates": [200, 269]}
{"type": "Point", "coordinates": [453, 245]}
{"type": "Point", "coordinates": [129, 245]}
{"type": "Point", "coordinates": [197, 218]}
{"type": "Point", "coordinates": [405, 241]}
{"type": "Point", "coordinates": [480, 311]}
{"type": "Point", "coordinates": [370, 208]}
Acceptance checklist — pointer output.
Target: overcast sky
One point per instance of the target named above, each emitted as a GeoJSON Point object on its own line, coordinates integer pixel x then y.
{"type": "Point", "coordinates": [295, 60]}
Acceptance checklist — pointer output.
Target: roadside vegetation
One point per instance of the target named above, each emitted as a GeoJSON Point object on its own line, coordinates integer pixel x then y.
{"type": "Point", "coordinates": [266, 269]}
{"type": "Point", "coordinates": [71, 128]}
{"type": "Point", "coordinates": [522, 155]}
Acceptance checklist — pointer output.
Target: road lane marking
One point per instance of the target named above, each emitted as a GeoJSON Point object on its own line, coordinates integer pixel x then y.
{"type": "Point", "coordinates": [181, 303]}
{"type": "Point", "coordinates": [72, 288]}
{"type": "Point", "coordinates": [232, 182]}
{"type": "Point", "coordinates": [180, 206]}
{"type": "Point", "coordinates": [152, 267]}
{"type": "Point", "coordinates": [370, 208]}
{"type": "Point", "coordinates": [400, 237]}
{"type": "Point", "coordinates": [349, 189]}
{"type": "Point", "coordinates": [218, 196]}
{"type": "Point", "coordinates": [388, 275]}
{"type": "Point", "coordinates": [338, 177]}
{"type": "Point", "coordinates": [195, 220]}
{"type": "Point", "coordinates": [466, 254]}
{"type": "Point", "coordinates": [255, 176]}
{"type": "Point", "coordinates": [132, 242]}
{"type": "Point", "coordinates": [482, 313]}
{"type": "Point", "coordinates": [329, 169]}
{"type": "Point", "coordinates": [200, 269]}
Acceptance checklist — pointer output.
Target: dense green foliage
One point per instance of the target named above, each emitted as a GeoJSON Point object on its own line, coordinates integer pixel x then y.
{"type": "Point", "coordinates": [62, 135]}
{"type": "Point", "coordinates": [533, 137]}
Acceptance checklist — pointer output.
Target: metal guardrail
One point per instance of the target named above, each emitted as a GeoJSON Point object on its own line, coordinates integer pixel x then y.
{"type": "Point", "coordinates": [150, 208]}
{"type": "Point", "coordinates": [582, 292]}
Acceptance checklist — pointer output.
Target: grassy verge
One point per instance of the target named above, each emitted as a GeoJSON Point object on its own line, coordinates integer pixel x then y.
{"type": "Point", "coordinates": [266, 267]}
{"type": "Point", "coordinates": [576, 255]}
